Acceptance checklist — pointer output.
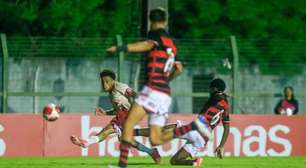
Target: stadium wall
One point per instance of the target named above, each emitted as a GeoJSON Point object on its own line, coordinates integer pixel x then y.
{"type": "Point", "coordinates": [250, 135]}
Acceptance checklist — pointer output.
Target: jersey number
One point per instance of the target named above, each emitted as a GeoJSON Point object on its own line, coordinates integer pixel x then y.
{"type": "Point", "coordinates": [216, 118]}
{"type": "Point", "coordinates": [170, 61]}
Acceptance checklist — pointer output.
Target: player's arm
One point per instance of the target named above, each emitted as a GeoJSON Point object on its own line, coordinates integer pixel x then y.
{"type": "Point", "coordinates": [226, 126]}
{"type": "Point", "coordinates": [142, 46]}
{"type": "Point", "coordinates": [178, 69]}
{"type": "Point", "coordinates": [219, 149]}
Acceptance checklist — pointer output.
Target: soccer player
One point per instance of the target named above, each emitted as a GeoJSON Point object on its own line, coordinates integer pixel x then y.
{"type": "Point", "coordinates": [154, 98]}
{"type": "Point", "coordinates": [216, 109]}
{"type": "Point", "coordinates": [121, 96]}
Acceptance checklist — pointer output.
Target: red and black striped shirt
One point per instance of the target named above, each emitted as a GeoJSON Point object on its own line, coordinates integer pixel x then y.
{"type": "Point", "coordinates": [215, 111]}
{"type": "Point", "coordinates": [161, 60]}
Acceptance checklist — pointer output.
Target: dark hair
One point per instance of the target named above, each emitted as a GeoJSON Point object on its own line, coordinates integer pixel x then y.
{"type": "Point", "coordinates": [108, 73]}
{"type": "Point", "coordinates": [158, 15]}
{"type": "Point", "coordinates": [219, 84]}
{"type": "Point", "coordinates": [291, 88]}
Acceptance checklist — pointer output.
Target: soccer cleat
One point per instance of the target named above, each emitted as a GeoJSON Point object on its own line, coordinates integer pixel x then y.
{"type": "Point", "coordinates": [155, 156]}
{"type": "Point", "coordinates": [79, 141]}
{"type": "Point", "coordinates": [203, 128]}
{"type": "Point", "coordinates": [197, 162]}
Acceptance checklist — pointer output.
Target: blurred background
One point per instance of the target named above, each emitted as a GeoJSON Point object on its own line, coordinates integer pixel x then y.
{"type": "Point", "coordinates": [52, 51]}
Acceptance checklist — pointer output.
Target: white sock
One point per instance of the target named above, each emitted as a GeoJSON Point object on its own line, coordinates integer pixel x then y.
{"type": "Point", "coordinates": [93, 140]}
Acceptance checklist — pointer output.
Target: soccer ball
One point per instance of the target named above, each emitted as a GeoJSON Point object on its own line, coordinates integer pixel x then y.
{"type": "Point", "coordinates": [51, 112]}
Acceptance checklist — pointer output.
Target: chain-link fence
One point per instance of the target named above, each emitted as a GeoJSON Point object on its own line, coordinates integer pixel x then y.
{"type": "Point", "coordinates": [266, 67]}
{"type": "Point", "coordinates": [41, 70]}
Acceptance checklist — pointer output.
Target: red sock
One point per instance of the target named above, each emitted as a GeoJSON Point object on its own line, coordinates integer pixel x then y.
{"type": "Point", "coordinates": [124, 152]}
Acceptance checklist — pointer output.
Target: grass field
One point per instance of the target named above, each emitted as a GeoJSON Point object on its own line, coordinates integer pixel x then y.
{"type": "Point", "coordinates": [145, 162]}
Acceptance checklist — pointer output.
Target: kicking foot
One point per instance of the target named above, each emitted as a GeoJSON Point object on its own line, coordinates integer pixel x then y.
{"type": "Point", "coordinates": [197, 162]}
{"type": "Point", "coordinates": [155, 156]}
{"type": "Point", "coordinates": [79, 141]}
{"type": "Point", "coordinates": [203, 127]}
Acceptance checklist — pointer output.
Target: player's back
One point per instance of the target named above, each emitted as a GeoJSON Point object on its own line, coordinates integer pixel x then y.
{"type": "Point", "coordinates": [216, 110]}
{"type": "Point", "coordinates": [161, 60]}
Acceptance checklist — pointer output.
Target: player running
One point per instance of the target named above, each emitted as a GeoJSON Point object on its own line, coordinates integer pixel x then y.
{"type": "Point", "coordinates": [154, 99]}
{"type": "Point", "coordinates": [216, 109]}
{"type": "Point", "coordinates": [121, 96]}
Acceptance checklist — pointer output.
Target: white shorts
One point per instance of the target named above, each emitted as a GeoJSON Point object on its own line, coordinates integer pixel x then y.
{"type": "Point", "coordinates": [118, 130]}
{"type": "Point", "coordinates": [156, 103]}
{"type": "Point", "coordinates": [195, 142]}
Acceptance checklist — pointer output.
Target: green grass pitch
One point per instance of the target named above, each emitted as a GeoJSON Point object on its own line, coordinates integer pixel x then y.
{"type": "Point", "coordinates": [146, 162]}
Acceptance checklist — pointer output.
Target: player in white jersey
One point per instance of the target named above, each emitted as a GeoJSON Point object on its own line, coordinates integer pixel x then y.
{"type": "Point", "coordinates": [121, 96]}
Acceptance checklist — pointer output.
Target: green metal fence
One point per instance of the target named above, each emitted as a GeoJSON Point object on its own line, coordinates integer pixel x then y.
{"type": "Point", "coordinates": [40, 70]}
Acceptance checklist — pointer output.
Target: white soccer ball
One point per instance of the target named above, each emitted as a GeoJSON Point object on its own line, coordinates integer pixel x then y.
{"type": "Point", "coordinates": [51, 112]}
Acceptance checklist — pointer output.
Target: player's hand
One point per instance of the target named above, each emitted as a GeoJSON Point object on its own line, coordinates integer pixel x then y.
{"type": "Point", "coordinates": [112, 49]}
{"type": "Point", "coordinates": [100, 112]}
{"type": "Point", "coordinates": [219, 152]}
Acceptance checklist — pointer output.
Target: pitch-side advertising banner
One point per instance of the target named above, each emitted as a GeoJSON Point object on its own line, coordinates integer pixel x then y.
{"type": "Point", "coordinates": [250, 135]}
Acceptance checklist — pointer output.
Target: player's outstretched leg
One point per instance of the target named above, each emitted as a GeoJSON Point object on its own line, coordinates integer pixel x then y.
{"type": "Point", "coordinates": [159, 136]}
{"type": "Point", "coordinates": [145, 132]}
{"type": "Point", "coordinates": [86, 142]}
{"type": "Point", "coordinates": [181, 158]}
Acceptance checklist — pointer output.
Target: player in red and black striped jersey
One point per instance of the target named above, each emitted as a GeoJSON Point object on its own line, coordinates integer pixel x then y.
{"type": "Point", "coordinates": [216, 108]}
{"type": "Point", "coordinates": [198, 132]}
{"type": "Point", "coordinates": [214, 111]}
{"type": "Point", "coordinates": [161, 60]}
{"type": "Point", "coordinates": [154, 98]}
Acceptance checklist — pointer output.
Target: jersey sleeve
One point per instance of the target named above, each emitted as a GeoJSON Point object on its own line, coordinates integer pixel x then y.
{"type": "Point", "coordinates": [126, 90]}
